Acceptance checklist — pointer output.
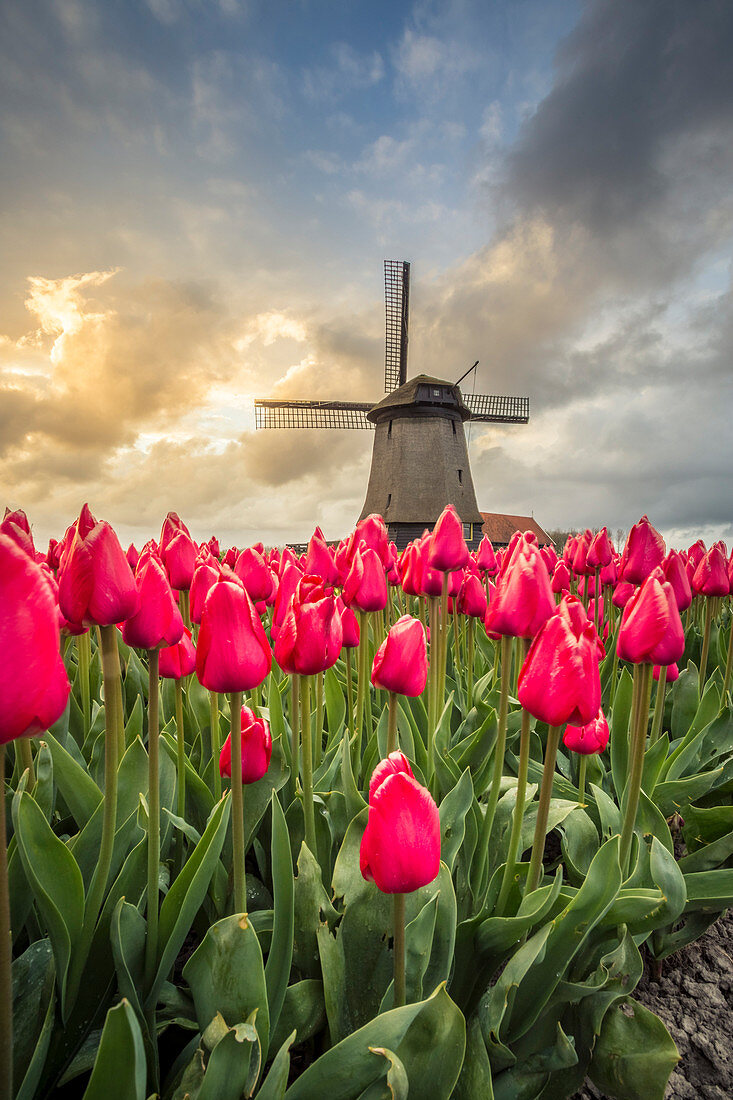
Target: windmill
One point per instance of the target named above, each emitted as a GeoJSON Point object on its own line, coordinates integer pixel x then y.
{"type": "Point", "coordinates": [420, 458]}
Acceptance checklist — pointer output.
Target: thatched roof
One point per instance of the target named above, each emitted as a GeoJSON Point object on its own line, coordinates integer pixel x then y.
{"type": "Point", "coordinates": [408, 395]}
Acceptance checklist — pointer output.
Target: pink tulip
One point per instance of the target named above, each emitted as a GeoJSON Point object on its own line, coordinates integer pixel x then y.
{"type": "Point", "coordinates": [256, 748]}
{"type": "Point", "coordinates": [651, 629]}
{"type": "Point", "coordinates": [590, 738]}
{"type": "Point", "coordinates": [559, 681]}
{"type": "Point", "coordinates": [401, 662]}
{"type": "Point", "coordinates": [400, 848]}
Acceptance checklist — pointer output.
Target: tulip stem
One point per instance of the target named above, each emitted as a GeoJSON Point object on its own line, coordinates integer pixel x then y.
{"type": "Point", "coordinates": [470, 627]}
{"type": "Point", "coordinates": [26, 760]}
{"type": "Point", "coordinates": [728, 663]}
{"type": "Point", "coordinates": [543, 809]}
{"type": "Point", "coordinates": [294, 729]}
{"type": "Point", "coordinates": [84, 655]}
{"type": "Point", "coordinates": [318, 741]}
{"type": "Point", "coordinates": [151, 938]}
{"type": "Point", "coordinates": [659, 705]}
{"type": "Point", "coordinates": [392, 723]}
{"type": "Point", "coordinates": [215, 743]}
{"type": "Point", "coordinates": [456, 639]}
{"type": "Point", "coordinates": [398, 904]}
{"type": "Point", "coordinates": [499, 750]}
{"type": "Point", "coordinates": [596, 602]}
{"type": "Point", "coordinates": [362, 661]}
{"type": "Point", "coordinates": [443, 642]}
{"type": "Point", "coordinates": [181, 758]}
{"type": "Point", "coordinates": [308, 809]}
{"type": "Point", "coordinates": [6, 976]}
{"type": "Point", "coordinates": [583, 767]}
{"type": "Point", "coordinates": [349, 694]}
{"type": "Point", "coordinates": [98, 885]}
{"type": "Point", "coordinates": [706, 642]}
{"type": "Point", "coordinates": [643, 680]}
{"type": "Point", "coordinates": [515, 839]}
{"type": "Point", "coordinates": [240, 879]}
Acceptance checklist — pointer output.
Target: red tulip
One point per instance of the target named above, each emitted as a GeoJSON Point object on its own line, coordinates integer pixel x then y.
{"type": "Point", "coordinates": [309, 640]}
{"type": "Point", "coordinates": [366, 586]}
{"type": "Point", "coordinates": [471, 599]}
{"type": "Point", "coordinates": [600, 551]}
{"type": "Point", "coordinates": [319, 559]}
{"type": "Point", "coordinates": [256, 748]}
{"type": "Point", "coordinates": [157, 621]}
{"type": "Point", "coordinates": [289, 579]}
{"type": "Point", "coordinates": [400, 848]}
{"type": "Point", "coordinates": [411, 570]}
{"type": "Point", "coordinates": [205, 576]}
{"type": "Point", "coordinates": [372, 531]}
{"type": "Point", "coordinates": [674, 571]}
{"type": "Point", "coordinates": [179, 557]}
{"type": "Point", "coordinates": [580, 565]}
{"type": "Point", "coordinates": [395, 762]}
{"type": "Point", "coordinates": [485, 558]}
{"type": "Point", "coordinates": [559, 681]}
{"type": "Point", "coordinates": [33, 683]}
{"type": "Point", "coordinates": [643, 552]}
{"type": "Point", "coordinates": [696, 553]}
{"type": "Point", "coordinates": [622, 593]}
{"type": "Point", "coordinates": [349, 624]}
{"type": "Point", "coordinates": [252, 570]}
{"type": "Point", "coordinates": [96, 584]}
{"type": "Point", "coordinates": [447, 550]}
{"type": "Point", "coordinates": [15, 525]}
{"type": "Point", "coordinates": [523, 600]}
{"type": "Point", "coordinates": [651, 629]}
{"type": "Point", "coordinates": [178, 660]}
{"type": "Point", "coordinates": [550, 557]}
{"type": "Point", "coordinates": [609, 573]}
{"type": "Point", "coordinates": [673, 672]}
{"type": "Point", "coordinates": [401, 662]}
{"type": "Point", "coordinates": [233, 653]}
{"type": "Point", "coordinates": [711, 576]}
{"type": "Point", "coordinates": [588, 739]}
{"type": "Point", "coordinates": [560, 578]}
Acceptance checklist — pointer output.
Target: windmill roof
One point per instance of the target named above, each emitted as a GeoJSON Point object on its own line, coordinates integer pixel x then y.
{"type": "Point", "coordinates": [408, 395]}
{"type": "Point", "coordinates": [499, 528]}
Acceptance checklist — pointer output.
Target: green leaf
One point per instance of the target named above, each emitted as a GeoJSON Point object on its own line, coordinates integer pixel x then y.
{"type": "Point", "coordinates": [475, 1079]}
{"type": "Point", "coordinates": [119, 1068]}
{"type": "Point", "coordinates": [397, 1085]}
{"type": "Point", "coordinates": [127, 933]}
{"type": "Point", "coordinates": [79, 791]}
{"type": "Point", "coordinates": [56, 882]}
{"type": "Point", "coordinates": [675, 796]}
{"type": "Point", "coordinates": [34, 1004]}
{"type": "Point", "coordinates": [274, 1085]}
{"type": "Point", "coordinates": [620, 716]}
{"type": "Point", "coordinates": [579, 842]}
{"type": "Point", "coordinates": [227, 978]}
{"type": "Point", "coordinates": [710, 891]}
{"type": "Point", "coordinates": [453, 810]}
{"type": "Point", "coordinates": [634, 1054]}
{"type": "Point", "coordinates": [685, 700]}
{"type": "Point", "coordinates": [335, 702]}
{"type": "Point", "coordinates": [277, 970]}
{"type": "Point", "coordinates": [303, 1011]}
{"type": "Point", "coordinates": [186, 895]}
{"type": "Point", "coordinates": [228, 1068]}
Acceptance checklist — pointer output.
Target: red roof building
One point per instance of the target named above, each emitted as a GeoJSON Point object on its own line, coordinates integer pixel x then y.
{"type": "Point", "coordinates": [499, 528]}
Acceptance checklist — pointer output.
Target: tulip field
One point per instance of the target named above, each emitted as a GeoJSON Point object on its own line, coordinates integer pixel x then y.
{"type": "Point", "coordinates": [356, 824]}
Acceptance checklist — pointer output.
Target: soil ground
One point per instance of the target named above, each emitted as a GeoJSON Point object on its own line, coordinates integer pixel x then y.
{"type": "Point", "coordinates": [694, 998]}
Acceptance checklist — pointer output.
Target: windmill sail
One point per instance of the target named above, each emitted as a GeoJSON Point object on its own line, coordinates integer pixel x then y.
{"type": "Point", "coordinates": [491, 408]}
{"type": "Point", "coordinates": [311, 414]}
{"type": "Point", "coordinates": [397, 302]}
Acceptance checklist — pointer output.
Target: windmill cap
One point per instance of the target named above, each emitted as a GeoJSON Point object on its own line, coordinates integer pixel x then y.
{"type": "Point", "coordinates": [423, 393]}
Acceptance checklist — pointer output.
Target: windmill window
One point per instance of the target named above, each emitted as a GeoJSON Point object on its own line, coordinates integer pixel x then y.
{"type": "Point", "coordinates": [389, 430]}
{"type": "Point", "coordinates": [389, 499]}
{"type": "Point", "coordinates": [436, 393]}
{"type": "Point", "coordinates": [460, 477]}
{"type": "Point", "coordinates": [453, 425]}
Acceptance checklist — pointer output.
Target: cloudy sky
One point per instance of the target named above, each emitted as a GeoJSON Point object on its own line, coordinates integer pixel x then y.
{"type": "Point", "coordinates": [197, 197]}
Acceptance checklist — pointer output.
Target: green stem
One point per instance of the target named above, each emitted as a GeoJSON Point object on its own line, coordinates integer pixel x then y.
{"type": "Point", "coordinates": [184, 607]}
{"type": "Point", "coordinates": [215, 743]}
{"type": "Point", "coordinates": [240, 879]}
{"type": "Point", "coordinates": [151, 938]}
{"type": "Point", "coordinates": [305, 726]}
{"type": "Point", "coordinates": [349, 694]}
{"type": "Point", "coordinates": [443, 642]}
{"type": "Point", "coordinates": [456, 640]}
{"type": "Point", "coordinates": [294, 729]}
{"type": "Point", "coordinates": [98, 885]}
{"type": "Point", "coordinates": [643, 676]}
{"type": "Point", "coordinates": [6, 975]}
{"type": "Point", "coordinates": [84, 655]}
{"type": "Point", "coordinates": [706, 642]}
{"type": "Point", "coordinates": [392, 723]}
{"type": "Point", "coordinates": [26, 760]}
{"type": "Point", "coordinates": [728, 663]}
{"type": "Point", "coordinates": [181, 759]}
{"type": "Point", "coordinates": [471, 626]}
{"type": "Point", "coordinates": [510, 869]}
{"type": "Point", "coordinates": [432, 685]}
{"type": "Point", "coordinates": [318, 739]}
{"type": "Point", "coordinates": [398, 909]}
{"type": "Point", "coordinates": [581, 780]}
{"type": "Point", "coordinates": [543, 809]}
{"type": "Point", "coordinates": [361, 673]}
{"type": "Point", "coordinates": [499, 749]}
{"type": "Point", "coordinates": [659, 705]}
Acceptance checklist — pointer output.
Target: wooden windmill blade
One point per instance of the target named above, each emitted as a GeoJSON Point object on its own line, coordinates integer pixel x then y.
{"type": "Point", "coordinates": [497, 409]}
{"type": "Point", "coordinates": [397, 304]}
{"type": "Point", "coordinates": [270, 413]}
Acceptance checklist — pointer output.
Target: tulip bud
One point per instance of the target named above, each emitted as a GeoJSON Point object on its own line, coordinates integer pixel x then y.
{"type": "Point", "coordinates": [600, 551]}
{"type": "Point", "coordinates": [33, 682]}
{"type": "Point", "coordinates": [233, 653]}
{"type": "Point", "coordinates": [651, 629]}
{"type": "Point", "coordinates": [447, 550]}
{"type": "Point", "coordinates": [675, 573]}
{"type": "Point", "coordinates": [485, 558]}
{"type": "Point", "coordinates": [643, 552]}
{"type": "Point", "coordinates": [401, 662]}
{"type": "Point", "coordinates": [560, 578]}
{"type": "Point", "coordinates": [590, 738]}
{"type": "Point", "coordinates": [96, 584]}
{"type": "Point", "coordinates": [523, 600]}
{"type": "Point", "coordinates": [673, 672]}
{"type": "Point", "coordinates": [350, 625]}
{"type": "Point", "coordinates": [471, 599]}
{"type": "Point", "coordinates": [400, 848]}
{"type": "Point", "coordinates": [366, 586]}
{"type": "Point", "coordinates": [711, 576]}
{"type": "Point", "coordinates": [179, 660]}
{"type": "Point", "coordinates": [256, 748]}
{"type": "Point", "coordinates": [157, 621]}
{"type": "Point", "coordinates": [559, 681]}
{"type": "Point", "coordinates": [309, 640]}
{"type": "Point", "coordinates": [319, 559]}
{"type": "Point", "coordinates": [251, 568]}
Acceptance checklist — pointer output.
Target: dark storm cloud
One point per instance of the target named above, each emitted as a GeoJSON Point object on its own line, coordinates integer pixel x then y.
{"type": "Point", "coordinates": [633, 81]}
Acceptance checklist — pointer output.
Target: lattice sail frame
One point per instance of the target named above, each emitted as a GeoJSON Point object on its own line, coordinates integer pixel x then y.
{"type": "Point", "coordinates": [496, 409]}
{"type": "Point", "coordinates": [397, 302]}
{"type": "Point", "coordinates": [311, 414]}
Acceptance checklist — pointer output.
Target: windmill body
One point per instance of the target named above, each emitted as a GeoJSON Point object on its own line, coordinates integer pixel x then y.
{"type": "Point", "coordinates": [420, 458]}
